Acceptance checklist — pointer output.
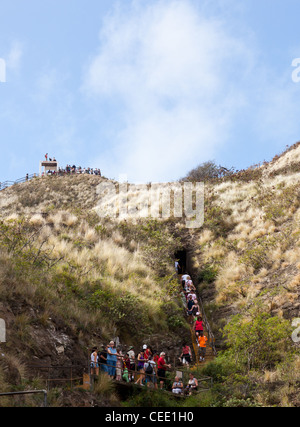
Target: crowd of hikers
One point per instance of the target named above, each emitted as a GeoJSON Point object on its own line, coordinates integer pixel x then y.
{"type": "Point", "coordinates": [78, 170]}
{"type": "Point", "coordinates": [149, 367]}
{"type": "Point", "coordinates": [72, 169]}
{"type": "Point", "coordinates": [194, 318]}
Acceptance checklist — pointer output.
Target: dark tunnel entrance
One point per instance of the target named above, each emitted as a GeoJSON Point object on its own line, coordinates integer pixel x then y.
{"type": "Point", "coordinates": [181, 257]}
{"type": "Point", "coordinates": [185, 259]}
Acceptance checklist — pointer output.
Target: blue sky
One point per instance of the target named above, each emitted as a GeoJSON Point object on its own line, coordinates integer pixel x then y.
{"type": "Point", "coordinates": [149, 89]}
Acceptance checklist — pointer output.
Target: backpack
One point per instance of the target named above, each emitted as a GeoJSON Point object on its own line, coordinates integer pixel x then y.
{"type": "Point", "coordinates": [149, 369]}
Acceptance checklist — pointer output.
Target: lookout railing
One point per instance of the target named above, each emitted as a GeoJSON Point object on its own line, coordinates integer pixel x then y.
{"type": "Point", "coordinates": [7, 184]}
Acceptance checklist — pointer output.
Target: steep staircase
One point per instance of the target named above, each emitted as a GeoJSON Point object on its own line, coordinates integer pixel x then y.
{"type": "Point", "coordinates": [210, 348]}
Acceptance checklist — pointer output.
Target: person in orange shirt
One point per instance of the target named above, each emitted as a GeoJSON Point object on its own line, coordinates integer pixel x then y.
{"type": "Point", "coordinates": [202, 341]}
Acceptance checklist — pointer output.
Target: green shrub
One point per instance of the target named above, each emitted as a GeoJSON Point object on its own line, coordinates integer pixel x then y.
{"type": "Point", "coordinates": [151, 399]}
{"type": "Point", "coordinates": [260, 342]}
{"type": "Point", "coordinates": [208, 274]}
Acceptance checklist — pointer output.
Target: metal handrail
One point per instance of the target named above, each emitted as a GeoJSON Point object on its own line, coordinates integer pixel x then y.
{"type": "Point", "coordinates": [87, 368]}
{"type": "Point", "coordinates": [155, 375]}
{"type": "Point", "coordinates": [7, 184]}
{"type": "Point", "coordinates": [208, 327]}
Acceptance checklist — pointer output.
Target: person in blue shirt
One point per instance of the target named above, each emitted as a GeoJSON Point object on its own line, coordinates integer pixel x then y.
{"type": "Point", "coordinates": [111, 360]}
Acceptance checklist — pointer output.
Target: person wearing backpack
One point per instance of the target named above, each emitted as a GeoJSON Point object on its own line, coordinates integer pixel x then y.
{"type": "Point", "coordinates": [151, 372]}
{"type": "Point", "coordinates": [190, 304]}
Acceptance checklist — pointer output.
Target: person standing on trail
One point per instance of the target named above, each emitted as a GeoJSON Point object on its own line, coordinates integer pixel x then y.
{"type": "Point", "coordinates": [140, 367]}
{"type": "Point", "coordinates": [189, 282]}
{"type": "Point", "coordinates": [177, 266]}
{"type": "Point", "coordinates": [193, 294]}
{"type": "Point", "coordinates": [111, 360]}
{"type": "Point", "coordinates": [127, 362]}
{"type": "Point", "coordinates": [187, 289]}
{"type": "Point", "coordinates": [131, 355]}
{"type": "Point", "coordinates": [202, 342]}
{"type": "Point", "coordinates": [184, 277]}
{"type": "Point", "coordinates": [148, 352]}
{"type": "Point", "coordinates": [120, 364]}
{"type": "Point", "coordinates": [94, 362]}
{"type": "Point", "coordinates": [151, 372]}
{"type": "Point", "coordinates": [196, 309]}
{"type": "Point", "coordinates": [190, 304]}
{"type": "Point", "coordinates": [161, 369]}
{"type": "Point", "coordinates": [103, 359]}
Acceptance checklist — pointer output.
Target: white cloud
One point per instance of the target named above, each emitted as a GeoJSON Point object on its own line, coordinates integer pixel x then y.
{"type": "Point", "coordinates": [178, 79]}
{"type": "Point", "coordinates": [13, 60]}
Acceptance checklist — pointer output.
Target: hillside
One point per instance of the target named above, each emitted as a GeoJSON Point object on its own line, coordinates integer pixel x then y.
{"type": "Point", "coordinates": [70, 279]}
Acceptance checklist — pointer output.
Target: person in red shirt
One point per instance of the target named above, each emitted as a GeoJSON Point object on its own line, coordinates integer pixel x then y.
{"type": "Point", "coordinates": [155, 357]}
{"type": "Point", "coordinates": [186, 354]}
{"type": "Point", "coordinates": [148, 351]}
{"type": "Point", "coordinates": [198, 325]}
{"type": "Point", "coordinates": [161, 369]}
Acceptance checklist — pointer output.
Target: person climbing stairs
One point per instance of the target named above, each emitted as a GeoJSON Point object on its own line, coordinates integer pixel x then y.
{"type": "Point", "coordinates": [209, 351]}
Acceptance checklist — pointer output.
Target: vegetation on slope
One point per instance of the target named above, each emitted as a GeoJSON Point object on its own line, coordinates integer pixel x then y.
{"type": "Point", "coordinates": [72, 269]}
{"type": "Point", "coordinates": [70, 280]}
{"type": "Point", "coordinates": [247, 261]}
